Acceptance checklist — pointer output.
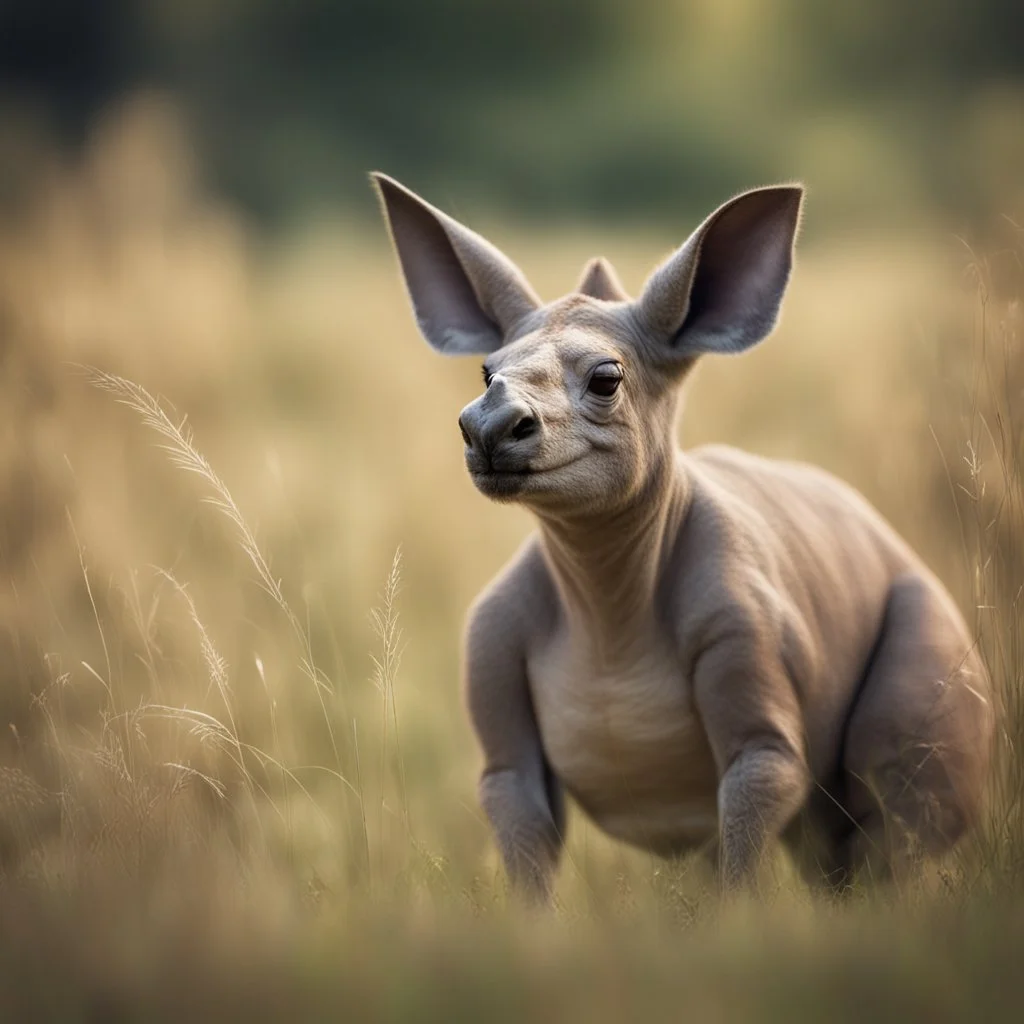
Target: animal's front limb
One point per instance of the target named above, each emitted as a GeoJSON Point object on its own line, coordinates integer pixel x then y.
{"type": "Point", "coordinates": [758, 795]}
{"type": "Point", "coordinates": [518, 791]}
{"type": "Point", "coordinates": [752, 719]}
{"type": "Point", "coordinates": [527, 830]}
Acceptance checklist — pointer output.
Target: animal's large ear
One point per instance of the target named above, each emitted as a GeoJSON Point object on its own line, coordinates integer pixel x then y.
{"type": "Point", "coordinates": [721, 291]}
{"type": "Point", "coordinates": [466, 295]}
{"type": "Point", "coordinates": [600, 281]}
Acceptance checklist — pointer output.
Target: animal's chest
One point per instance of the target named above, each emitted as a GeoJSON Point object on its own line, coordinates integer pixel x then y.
{"type": "Point", "coordinates": [624, 738]}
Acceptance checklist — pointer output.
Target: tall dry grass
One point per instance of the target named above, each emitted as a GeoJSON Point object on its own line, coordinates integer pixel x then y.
{"type": "Point", "coordinates": [982, 481]}
{"type": "Point", "coordinates": [235, 773]}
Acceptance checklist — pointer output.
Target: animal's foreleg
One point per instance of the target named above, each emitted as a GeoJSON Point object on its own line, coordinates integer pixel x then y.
{"type": "Point", "coordinates": [758, 795]}
{"type": "Point", "coordinates": [527, 828]}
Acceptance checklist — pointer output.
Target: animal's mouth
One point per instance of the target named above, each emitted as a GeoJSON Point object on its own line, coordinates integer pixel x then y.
{"type": "Point", "coordinates": [508, 483]}
{"type": "Point", "coordinates": [504, 472]}
{"type": "Point", "coordinates": [501, 485]}
{"type": "Point", "coordinates": [523, 471]}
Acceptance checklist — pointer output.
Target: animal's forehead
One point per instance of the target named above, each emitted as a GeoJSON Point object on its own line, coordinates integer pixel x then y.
{"type": "Point", "coordinates": [570, 332]}
{"type": "Point", "coordinates": [580, 313]}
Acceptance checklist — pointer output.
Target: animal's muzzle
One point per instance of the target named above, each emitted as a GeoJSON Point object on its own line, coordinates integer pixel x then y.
{"type": "Point", "coordinates": [500, 431]}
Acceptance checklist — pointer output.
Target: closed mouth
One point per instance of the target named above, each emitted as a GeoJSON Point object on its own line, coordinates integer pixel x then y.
{"type": "Point", "coordinates": [484, 473]}
{"type": "Point", "coordinates": [516, 473]}
{"type": "Point", "coordinates": [509, 484]}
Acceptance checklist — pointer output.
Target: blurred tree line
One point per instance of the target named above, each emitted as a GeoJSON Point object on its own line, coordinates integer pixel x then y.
{"type": "Point", "coordinates": [591, 107]}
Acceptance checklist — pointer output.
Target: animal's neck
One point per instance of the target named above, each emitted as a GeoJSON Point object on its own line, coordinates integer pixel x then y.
{"type": "Point", "coordinates": [608, 567]}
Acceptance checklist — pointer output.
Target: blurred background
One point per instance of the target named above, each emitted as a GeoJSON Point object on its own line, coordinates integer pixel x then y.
{"type": "Point", "coordinates": [574, 108]}
{"type": "Point", "coordinates": [224, 663]}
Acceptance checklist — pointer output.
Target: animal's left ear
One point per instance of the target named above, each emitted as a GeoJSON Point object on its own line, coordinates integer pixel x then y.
{"type": "Point", "coordinates": [722, 290]}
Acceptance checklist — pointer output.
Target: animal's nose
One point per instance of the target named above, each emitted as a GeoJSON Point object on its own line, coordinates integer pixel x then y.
{"type": "Point", "coordinates": [524, 427]}
{"type": "Point", "coordinates": [485, 429]}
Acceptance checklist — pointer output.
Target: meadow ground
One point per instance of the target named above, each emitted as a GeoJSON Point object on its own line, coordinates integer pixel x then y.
{"type": "Point", "coordinates": [235, 773]}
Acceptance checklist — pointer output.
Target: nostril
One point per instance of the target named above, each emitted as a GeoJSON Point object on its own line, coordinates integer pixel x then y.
{"type": "Point", "coordinates": [524, 428]}
{"type": "Point", "coordinates": [465, 434]}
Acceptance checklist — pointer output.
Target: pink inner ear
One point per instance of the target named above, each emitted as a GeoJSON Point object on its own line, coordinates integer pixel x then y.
{"type": "Point", "coordinates": [466, 294]}
{"type": "Point", "coordinates": [721, 292]}
{"type": "Point", "coordinates": [744, 264]}
{"type": "Point", "coordinates": [445, 304]}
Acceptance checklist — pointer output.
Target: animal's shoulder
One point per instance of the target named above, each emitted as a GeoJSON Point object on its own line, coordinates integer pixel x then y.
{"type": "Point", "coordinates": [782, 545]}
{"type": "Point", "coordinates": [520, 603]}
{"type": "Point", "coordinates": [766, 481]}
{"type": "Point", "coordinates": [779, 503]}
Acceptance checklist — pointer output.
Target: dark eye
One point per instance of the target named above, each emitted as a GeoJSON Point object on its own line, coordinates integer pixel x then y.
{"type": "Point", "coordinates": [487, 376]}
{"type": "Point", "coordinates": [605, 380]}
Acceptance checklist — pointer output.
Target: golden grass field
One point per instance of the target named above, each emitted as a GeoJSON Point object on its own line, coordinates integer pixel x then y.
{"type": "Point", "coordinates": [236, 779]}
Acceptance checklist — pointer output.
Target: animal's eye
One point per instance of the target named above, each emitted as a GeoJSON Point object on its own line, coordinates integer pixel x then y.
{"type": "Point", "coordinates": [605, 380]}
{"type": "Point", "coordinates": [487, 376]}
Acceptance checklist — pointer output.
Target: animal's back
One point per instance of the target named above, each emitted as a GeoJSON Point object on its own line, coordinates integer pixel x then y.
{"type": "Point", "coordinates": [802, 502]}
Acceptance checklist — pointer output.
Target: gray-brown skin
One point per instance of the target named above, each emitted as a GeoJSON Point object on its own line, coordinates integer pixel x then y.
{"type": "Point", "coordinates": [704, 648]}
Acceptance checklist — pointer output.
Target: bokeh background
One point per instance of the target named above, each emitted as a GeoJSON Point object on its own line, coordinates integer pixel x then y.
{"type": "Point", "coordinates": [231, 732]}
{"type": "Point", "coordinates": [593, 109]}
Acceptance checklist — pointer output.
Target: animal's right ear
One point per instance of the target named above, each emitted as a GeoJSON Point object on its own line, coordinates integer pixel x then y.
{"type": "Point", "coordinates": [467, 296]}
